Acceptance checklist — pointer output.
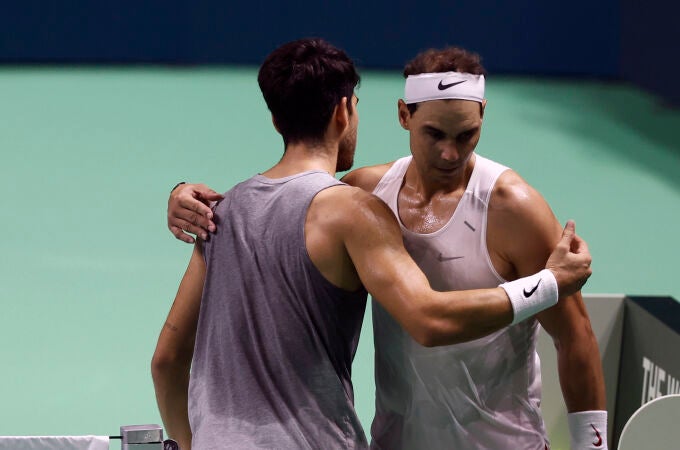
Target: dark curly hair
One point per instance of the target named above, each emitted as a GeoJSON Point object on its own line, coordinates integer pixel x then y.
{"type": "Point", "coordinates": [302, 82]}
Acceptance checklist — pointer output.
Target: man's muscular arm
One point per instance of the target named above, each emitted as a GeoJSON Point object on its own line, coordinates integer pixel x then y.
{"type": "Point", "coordinates": [189, 210]}
{"type": "Point", "coordinates": [172, 359]}
{"type": "Point", "coordinates": [365, 228]}
{"type": "Point", "coordinates": [523, 231]}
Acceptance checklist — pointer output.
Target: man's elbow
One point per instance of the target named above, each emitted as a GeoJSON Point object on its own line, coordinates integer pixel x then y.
{"type": "Point", "coordinates": [164, 363]}
{"type": "Point", "coordinates": [432, 333]}
{"type": "Point", "coordinates": [435, 330]}
{"type": "Point", "coordinates": [159, 366]}
{"type": "Point", "coordinates": [427, 339]}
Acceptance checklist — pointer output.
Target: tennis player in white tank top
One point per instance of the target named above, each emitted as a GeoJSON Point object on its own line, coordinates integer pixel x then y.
{"type": "Point", "coordinates": [465, 396]}
{"type": "Point", "coordinates": [472, 223]}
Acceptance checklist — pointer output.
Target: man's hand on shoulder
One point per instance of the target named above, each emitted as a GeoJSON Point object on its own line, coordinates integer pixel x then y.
{"type": "Point", "coordinates": [189, 211]}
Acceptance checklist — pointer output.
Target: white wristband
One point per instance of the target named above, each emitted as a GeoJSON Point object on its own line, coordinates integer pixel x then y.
{"type": "Point", "coordinates": [588, 430]}
{"type": "Point", "coordinates": [531, 294]}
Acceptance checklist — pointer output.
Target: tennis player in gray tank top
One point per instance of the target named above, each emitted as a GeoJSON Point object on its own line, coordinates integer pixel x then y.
{"type": "Point", "coordinates": [293, 333]}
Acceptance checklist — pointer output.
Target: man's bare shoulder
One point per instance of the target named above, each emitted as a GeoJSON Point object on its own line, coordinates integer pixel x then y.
{"type": "Point", "coordinates": [518, 214]}
{"type": "Point", "coordinates": [367, 178]}
{"type": "Point", "coordinates": [349, 207]}
{"type": "Point", "coordinates": [513, 195]}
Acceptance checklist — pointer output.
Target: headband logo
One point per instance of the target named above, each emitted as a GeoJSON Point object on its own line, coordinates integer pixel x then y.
{"type": "Point", "coordinates": [443, 87]}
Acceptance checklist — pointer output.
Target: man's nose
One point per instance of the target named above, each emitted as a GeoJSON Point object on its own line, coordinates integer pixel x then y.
{"type": "Point", "coordinates": [449, 152]}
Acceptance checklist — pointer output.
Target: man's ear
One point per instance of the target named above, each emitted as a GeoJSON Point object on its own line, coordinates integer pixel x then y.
{"type": "Point", "coordinates": [482, 107]}
{"type": "Point", "coordinates": [404, 114]}
{"type": "Point", "coordinates": [340, 118]}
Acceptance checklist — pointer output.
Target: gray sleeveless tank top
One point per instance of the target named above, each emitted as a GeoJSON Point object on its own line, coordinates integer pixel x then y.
{"type": "Point", "coordinates": [275, 339]}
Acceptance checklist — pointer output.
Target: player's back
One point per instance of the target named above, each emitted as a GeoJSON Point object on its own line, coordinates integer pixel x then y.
{"type": "Point", "coordinates": [275, 339]}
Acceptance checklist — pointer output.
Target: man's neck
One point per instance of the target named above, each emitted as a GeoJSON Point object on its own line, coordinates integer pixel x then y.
{"type": "Point", "coordinates": [302, 157]}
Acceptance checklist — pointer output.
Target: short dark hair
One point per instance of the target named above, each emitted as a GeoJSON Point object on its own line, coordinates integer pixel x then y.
{"type": "Point", "coordinates": [449, 59]}
{"type": "Point", "coordinates": [302, 82]}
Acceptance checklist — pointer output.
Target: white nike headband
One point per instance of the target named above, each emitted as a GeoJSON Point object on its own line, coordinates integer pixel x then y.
{"type": "Point", "coordinates": [441, 86]}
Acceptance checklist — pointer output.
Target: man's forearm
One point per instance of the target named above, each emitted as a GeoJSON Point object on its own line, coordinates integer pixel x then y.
{"type": "Point", "coordinates": [584, 393]}
{"type": "Point", "coordinates": [172, 394]}
{"type": "Point", "coordinates": [581, 377]}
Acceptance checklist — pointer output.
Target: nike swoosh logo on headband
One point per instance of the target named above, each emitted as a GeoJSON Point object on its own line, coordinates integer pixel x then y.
{"type": "Point", "coordinates": [443, 87]}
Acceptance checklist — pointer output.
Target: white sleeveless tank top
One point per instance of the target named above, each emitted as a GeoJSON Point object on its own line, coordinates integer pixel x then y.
{"type": "Point", "coordinates": [483, 394]}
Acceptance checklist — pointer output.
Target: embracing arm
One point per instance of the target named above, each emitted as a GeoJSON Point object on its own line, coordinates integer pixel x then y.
{"type": "Point", "coordinates": [373, 241]}
{"type": "Point", "coordinates": [189, 204]}
{"type": "Point", "coordinates": [172, 359]}
{"type": "Point", "coordinates": [375, 245]}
